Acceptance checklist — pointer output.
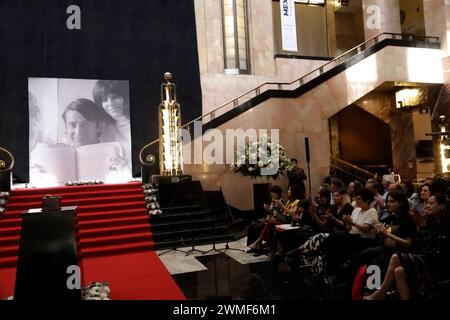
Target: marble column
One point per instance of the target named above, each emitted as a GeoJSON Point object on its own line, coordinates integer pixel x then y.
{"type": "Point", "coordinates": [261, 37]}
{"type": "Point", "coordinates": [334, 136]}
{"type": "Point", "coordinates": [381, 16]}
{"type": "Point", "coordinates": [403, 143]}
{"type": "Point", "coordinates": [437, 21]}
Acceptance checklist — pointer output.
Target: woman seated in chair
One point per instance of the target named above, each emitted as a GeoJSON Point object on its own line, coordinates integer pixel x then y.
{"type": "Point", "coordinates": [396, 234]}
{"type": "Point", "coordinates": [279, 213]}
{"type": "Point", "coordinates": [414, 274]}
{"type": "Point", "coordinates": [362, 234]}
{"type": "Point", "coordinates": [288, 240]}
{"type": "Point", "coordinates": [332, 221]}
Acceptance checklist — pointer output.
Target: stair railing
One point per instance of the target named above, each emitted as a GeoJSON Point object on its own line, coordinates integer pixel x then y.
{"type": "Point", "coordinates": [350, 168]}
{"type": "Point", "coordinates": [289, 86]}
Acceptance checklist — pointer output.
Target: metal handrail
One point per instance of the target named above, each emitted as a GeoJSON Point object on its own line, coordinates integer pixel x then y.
{"type": "Point", "coordinates": [11, 165]}
{"type": "Point", "coordinates": [335, 167]}
{"type": "Point", "coordinates": [351, 165]}
{"type": "Point", "coordinates": [303, 79]}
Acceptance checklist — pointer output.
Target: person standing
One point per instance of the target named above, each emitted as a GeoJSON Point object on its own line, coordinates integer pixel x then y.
{"type": "Point", "coordinates": [296, 177]}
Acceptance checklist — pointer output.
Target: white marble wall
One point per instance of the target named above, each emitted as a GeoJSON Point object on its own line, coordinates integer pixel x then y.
{"type": "Point", "coordinates": [388, 19]}
{"type": "Point", "coordinates": [437, 21]}
{"type": "Point", "coordinates": [218, 88]}
{"type": "Point", "coordinates": [308, 116]}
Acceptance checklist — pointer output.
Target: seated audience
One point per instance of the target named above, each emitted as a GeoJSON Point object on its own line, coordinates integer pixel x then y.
{"type": "Point", "coordinates": [396, 234]}
{"type": "Point", "coordinates": [271, 210]}
{"type": "Point", "coordinates": [336, 184]}
{"type": "Point", "coordinates": [424, 194]}
{"type": "Point", "coordinates": [353, 189]}
{"type": "Point", "coordinates": [413, 275]}
{"type": "Point", "coordinates": [379, 202]}
{"type": "Point", "coordinates": [362, 234]}
{"type": "Point", "coordinates": [290, 239]}
{"type": "Point", "coordinates": [279, 213]}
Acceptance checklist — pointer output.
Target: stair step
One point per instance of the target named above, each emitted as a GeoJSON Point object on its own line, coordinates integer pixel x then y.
{"type": "Point", "coordinates": [117, 249]}
{"type": "Point", "coordinates": [182, 215]}
{"type": "Point", "coordinates": [78, 195]}
{"type": "Point", "coordinates": [111, 214]}
{"type": "Point", "coordinates": [101, 222]}
{"type": "Point", "coordinates": [186, 242]}
{"type": "Point", "coordinates": [9, 222]}
{"type": "Point", "coordinates": [66, 189]}
{"type": "Point", "coordinates": [10, 240]}
{"type": "Point", "coordinates": [175, 234]}
{"type": "Point", "coordinates": [117, 239]}
{"type": "Point", "coordinates": [8, 251]}
{"type": "Point", "coordinates": [187, 222]}
{"type": "Point", "coordinates": [117, 230]}
{"type": "Point", "coordinates": [111, 207]}
{"type": "Point", "coordinates": [9, 231]}
{"type": "Point", "coordinates": [7, 262]}
{"type": "Point", "coordinates": [75, 202]}
{"type": "Point", "coordinates": [181, 208]}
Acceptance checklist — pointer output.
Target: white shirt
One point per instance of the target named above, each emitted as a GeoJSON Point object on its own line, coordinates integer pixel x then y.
{"type": "Point", "coordinates": [369, 216]}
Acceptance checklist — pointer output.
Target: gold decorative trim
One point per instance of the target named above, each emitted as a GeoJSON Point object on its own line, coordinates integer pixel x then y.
{"type": "Point", "coordinates": [3, 163]}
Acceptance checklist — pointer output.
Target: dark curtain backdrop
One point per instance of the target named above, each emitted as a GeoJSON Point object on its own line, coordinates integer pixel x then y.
{"type": "Point", "coordinates": [135, 40]}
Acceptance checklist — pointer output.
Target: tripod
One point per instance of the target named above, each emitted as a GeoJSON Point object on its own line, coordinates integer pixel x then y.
{"type": "Point", "coordinates": [213, 249]}
{"type": "Point", "coordinates": [227, 246]}
{"type": "Point", "coordinates": [192, 237]}
{"type": "Point", "coordinates": [174, 247]}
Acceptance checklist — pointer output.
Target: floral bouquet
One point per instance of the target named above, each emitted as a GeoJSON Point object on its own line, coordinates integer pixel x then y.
{"type": "Point", "coordinates": [262, 158]}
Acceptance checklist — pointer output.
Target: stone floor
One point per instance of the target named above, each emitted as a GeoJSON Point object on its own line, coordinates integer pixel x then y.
{"type": "Point", "coordinates": [177, 262]}
{"type": "Point", "coordinates": [237, 275]}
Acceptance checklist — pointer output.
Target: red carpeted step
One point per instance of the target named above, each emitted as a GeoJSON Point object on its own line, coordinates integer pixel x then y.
{"type": "Point", "coordinates": [67, 189]}
{"type": "Point", "coordinates": [115, 230]}
{"type": "Point", "coordinates": [114, 238]}
{"type": "Point", "coordinates": [79, 195]}
{"type": "Point", "coordinates": [111, 214]}
{"type": "Point", "coordinates": [120, 220]}
{"type": "Point", "coordinates": [117, 239]}
{"type": "Point", "coordinates": [111, 206]}
{"type": "Point", "coordinates": [9, 251]}
{"type": "Point", "coordinates": [9, 222]}
{"type": "Point", "coordinates": [10, 240]}
{"type": "Point", "coordinates": [115, 249]}
{"type": "Point", "coordinates": [7, 262]}
{"type": "Point", "coordinates": [9, 231]}
{"type": "Point", "coordinates": [78, 202]}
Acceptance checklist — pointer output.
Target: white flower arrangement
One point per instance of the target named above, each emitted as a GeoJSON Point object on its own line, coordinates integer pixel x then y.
{"type": "Point", "coordinates": [258, 158]}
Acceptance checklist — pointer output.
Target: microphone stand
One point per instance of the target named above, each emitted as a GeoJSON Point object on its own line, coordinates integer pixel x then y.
{"type": "Point", "coordinates": [213, 249]}
{"type": "Point", "coordinates": [192, 238]}
{"type": "Point", "coordinates": [174, 247]}
{"type": "Point", "coordinates": [228, 211]}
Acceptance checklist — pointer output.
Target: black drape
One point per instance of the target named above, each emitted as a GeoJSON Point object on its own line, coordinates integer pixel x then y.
{"type": "Point", "coordinates": [135, 40]}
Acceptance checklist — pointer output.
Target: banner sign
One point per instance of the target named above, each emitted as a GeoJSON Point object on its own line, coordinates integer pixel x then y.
{"type": "Point", "coordinates": [288, 25]}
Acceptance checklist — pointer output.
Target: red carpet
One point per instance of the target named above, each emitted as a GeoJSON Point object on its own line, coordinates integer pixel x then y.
{"type": "Point", "coordinates": [115, 240]}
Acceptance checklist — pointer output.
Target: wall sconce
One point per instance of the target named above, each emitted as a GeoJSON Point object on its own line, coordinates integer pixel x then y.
{"type": "Point", "coordinates": [170, 146]}
{"type": "Point", "coordinates": [411, 97]}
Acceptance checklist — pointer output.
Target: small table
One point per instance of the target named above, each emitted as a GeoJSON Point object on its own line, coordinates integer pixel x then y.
{"type": "Point", "coordinates": [48, 248]}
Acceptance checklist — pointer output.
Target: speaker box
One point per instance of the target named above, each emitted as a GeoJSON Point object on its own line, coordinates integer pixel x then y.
{"type": "Point", "coordinates": [5, 181]}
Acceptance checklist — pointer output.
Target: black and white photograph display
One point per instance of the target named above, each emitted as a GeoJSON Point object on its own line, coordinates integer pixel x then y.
{"type": "Point", "coordinates": [79, 131]}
